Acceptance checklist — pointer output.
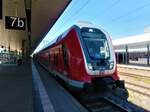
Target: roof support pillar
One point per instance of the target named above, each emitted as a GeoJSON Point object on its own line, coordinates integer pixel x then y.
{"type": "Point", "coordinates": [117, 55]}
{"type": "Point", "coordinates": [148, 54]}
{"type": "Point", "coordinates": [28, 17]}
{"type": "Point", "coordinates": [127, 55]}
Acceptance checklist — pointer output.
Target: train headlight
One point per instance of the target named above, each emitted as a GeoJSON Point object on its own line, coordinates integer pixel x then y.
{"type": "Point", "coordinates": [111, 65]}
{"type": "Point", "coordinates": [90, 66]}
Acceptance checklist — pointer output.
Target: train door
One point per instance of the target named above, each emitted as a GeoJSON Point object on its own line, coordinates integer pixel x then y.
{"type": "Point", "coordinates": [65, 60]}
{"type": "Point", "coordinates": [49, 58]}
{"type": "Point", "coordinates": [65, 56]}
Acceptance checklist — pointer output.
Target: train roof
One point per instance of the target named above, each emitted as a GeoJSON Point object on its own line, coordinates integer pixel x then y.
{"type": "Point", "coordinates": [82, 24]}
{"type": "Point", "coordinates": [79, 24]}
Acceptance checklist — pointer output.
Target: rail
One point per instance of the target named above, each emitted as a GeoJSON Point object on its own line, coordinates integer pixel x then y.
{"type": "Point", "coordinates": [133, 75]}
{"type": "Point", "coordinates": [108, 102]}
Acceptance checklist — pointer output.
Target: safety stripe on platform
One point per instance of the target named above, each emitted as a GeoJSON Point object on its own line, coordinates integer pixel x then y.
{"type": "Point", "coordinates": [45, 100]}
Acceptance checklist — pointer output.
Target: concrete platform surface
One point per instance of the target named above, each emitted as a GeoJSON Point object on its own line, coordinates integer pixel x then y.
{"type": "Point", "coordinates": [139, 67]}
{"type": "Point", "coordinates": [59, 98]}
{"type": "Point", "coordinates": [16, 88]}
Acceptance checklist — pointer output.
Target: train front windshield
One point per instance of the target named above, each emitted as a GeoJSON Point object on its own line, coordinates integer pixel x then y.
{"type": "Point", "coordinates": [96, 44]}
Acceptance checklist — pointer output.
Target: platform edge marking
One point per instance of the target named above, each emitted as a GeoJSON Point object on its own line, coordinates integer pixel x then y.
{"type": "Point", "coordinates": [45, 100]}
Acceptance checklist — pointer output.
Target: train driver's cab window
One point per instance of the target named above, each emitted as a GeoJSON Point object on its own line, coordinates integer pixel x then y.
{"type": "Point", "coordinates": [96, 44]}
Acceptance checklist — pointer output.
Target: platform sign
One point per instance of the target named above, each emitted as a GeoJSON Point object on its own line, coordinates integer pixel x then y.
{"type": "Point", "coordinates": [14, 23]}
{"type": "Point", "coordinates": [1, 9]}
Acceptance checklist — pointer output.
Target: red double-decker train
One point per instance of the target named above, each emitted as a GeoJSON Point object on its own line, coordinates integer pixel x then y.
{"type": "Point", "coordinates": [83, 57]}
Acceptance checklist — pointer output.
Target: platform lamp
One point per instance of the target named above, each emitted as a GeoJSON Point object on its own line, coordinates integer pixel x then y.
{"type": "Point", "coordinates": [3, 47]}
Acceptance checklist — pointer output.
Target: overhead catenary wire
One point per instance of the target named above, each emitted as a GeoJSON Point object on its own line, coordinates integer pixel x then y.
{"type": "Point", "coordinates": [70, 17]}
{"type": "Point", "coordinates": [108, 9]}
{"type": "Point", "coordinates": [77, 11]}
{"type": "Point", "coordinates": [73, 15]}
{"type": "Point", "coordinates": [126, 14]}
{"type": "Point", "coordinates": [45, 41]}
{"type": "Point", "coordinates": [128, 21]}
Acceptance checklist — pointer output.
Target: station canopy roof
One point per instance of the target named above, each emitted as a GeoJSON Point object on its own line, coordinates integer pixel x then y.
{"type": "Point", "coordinates": [44, 13]}
{"type": "Point", "coordinates": [133, 42]}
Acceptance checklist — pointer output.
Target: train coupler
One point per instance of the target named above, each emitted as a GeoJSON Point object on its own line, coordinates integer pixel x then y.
{"type": "Point", "coordinates": [120, 84]}
{"type": "Point", "coordinates": [120, 90]}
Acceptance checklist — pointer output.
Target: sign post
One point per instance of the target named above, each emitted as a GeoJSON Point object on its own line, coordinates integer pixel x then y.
{"type": "Point", "coordinates": [15, 23]}
{"type": "Point", "coordinates": [1, 9]}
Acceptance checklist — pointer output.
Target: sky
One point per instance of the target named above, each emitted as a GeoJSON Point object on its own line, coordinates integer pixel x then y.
{"type": "Point", "coordinates": [120, 18]}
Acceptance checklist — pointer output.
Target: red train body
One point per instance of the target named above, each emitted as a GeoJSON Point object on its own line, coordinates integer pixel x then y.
{"type": "Point", "coordinates": [81, 56]}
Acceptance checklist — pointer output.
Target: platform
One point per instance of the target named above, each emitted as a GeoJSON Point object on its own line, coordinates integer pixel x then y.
{"type": "Point", "coordinates": [137, 81]}
{"type": "Point", "coordinates": [140, 67]}
{"type": "Point", "coordinates": [16, 88]}
{"type": "Point", "coordinates": [59, 99]}
{"type": "Point", "coordinates": [141, 71]}
{"type": "Point", "coordinates": [30, 88]}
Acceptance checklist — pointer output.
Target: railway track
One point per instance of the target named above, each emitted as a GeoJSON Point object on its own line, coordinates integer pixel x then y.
{"type": "Point", "coordinates": [141, 86]}
{"type": "Point", "coordinates": [136, 84]}
{"type": "Point", "coordinates": [131, 83]}
{"type": "Point", "coordinates": [102, 105]}
{"type": "Point", "coordinates": [136, 91]}
{"type": "Point", "coordinates": [104, 102]}
{"type": "Point", "coordinates": [107, 102]}
{"type": "Point", "coordinates": [133, 75]}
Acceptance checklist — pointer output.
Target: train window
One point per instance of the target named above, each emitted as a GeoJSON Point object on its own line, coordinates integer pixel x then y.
{"type": "Point", "coordinates": [65, 55]}
{"type": "Point", "coordinates": [55, 59]}
{"type": "Point", "coordinates": [92, 33]}
{"type": "Point", "coordinates": [96, 43]}
{"type": "Point", "coordinates": [97, 47]}
{"type": "Point", "coordinates": [49, 56]}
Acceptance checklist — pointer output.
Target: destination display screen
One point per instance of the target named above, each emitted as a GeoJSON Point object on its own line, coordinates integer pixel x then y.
{"type": "Point", "coordinates": [91, 30]}
{"type": "Point", "coordinates": [92, 35]}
